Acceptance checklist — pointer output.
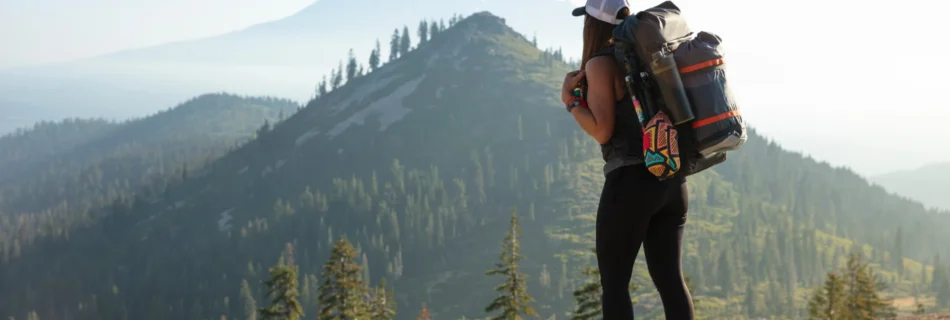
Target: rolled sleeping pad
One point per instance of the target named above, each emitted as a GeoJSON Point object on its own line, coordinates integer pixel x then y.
{"type": "Point", "coordinates": [718, 126]}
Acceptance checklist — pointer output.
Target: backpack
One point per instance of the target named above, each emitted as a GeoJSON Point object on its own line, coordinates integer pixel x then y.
{"type": "Point", "coordinates": [671, 73]}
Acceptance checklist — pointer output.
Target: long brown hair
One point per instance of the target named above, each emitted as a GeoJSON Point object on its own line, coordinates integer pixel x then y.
{"type": "Point", "coordinates": [598, 35]}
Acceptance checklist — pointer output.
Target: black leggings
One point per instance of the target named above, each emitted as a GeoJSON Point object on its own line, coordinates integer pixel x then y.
{"type": "Point", "coordinates": [635, 207]}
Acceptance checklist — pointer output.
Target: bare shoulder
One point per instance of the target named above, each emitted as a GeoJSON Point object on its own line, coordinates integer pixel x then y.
{"type": "Point", "coordinates": [603, 67]}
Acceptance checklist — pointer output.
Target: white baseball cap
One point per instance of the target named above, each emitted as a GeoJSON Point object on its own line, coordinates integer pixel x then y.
{"type": "Point", "coordinates": [603, 10]}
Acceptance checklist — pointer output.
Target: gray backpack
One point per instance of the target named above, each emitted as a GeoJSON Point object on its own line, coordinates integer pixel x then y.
{"type": "Point", "coordinates": [672, 71]}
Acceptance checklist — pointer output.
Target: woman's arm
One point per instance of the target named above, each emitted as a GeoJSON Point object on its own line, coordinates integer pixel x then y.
{"type": "Point", "coordinates": [598, 120]}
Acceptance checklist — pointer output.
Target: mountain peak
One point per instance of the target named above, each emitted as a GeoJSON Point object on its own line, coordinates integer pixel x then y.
{"type": "Point", "coordinates": [483, 19]}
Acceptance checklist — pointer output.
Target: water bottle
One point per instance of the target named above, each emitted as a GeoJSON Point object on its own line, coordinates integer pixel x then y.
{"type": "Point", "coordinates": [668, 79]}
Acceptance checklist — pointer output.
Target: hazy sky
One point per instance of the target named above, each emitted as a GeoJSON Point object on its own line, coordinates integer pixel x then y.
{"type": "Point", "coordinates": [37, 31]}
{"type": "Point", "coordinates": [853, 82]}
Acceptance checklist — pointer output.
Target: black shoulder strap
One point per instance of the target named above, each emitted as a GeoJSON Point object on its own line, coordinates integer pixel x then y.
{"type": "Point", "coordinates": [606, 52]}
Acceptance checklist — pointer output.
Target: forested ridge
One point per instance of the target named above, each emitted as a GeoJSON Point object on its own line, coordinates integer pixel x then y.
{"type": "Point", "coordinates": [404, 182]}
{"type": "Point", "coordinates": [57, 175]}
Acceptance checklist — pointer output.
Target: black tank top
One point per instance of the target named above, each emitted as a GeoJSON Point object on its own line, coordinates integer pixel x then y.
{"type": "Point", "coordinates": [625, 146]}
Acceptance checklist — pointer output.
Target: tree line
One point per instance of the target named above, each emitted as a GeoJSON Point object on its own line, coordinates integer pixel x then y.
{"type": "Point", "coordinates": [400, 44]}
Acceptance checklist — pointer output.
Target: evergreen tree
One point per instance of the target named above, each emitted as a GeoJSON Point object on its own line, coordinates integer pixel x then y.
{"type": "Point", "coordinates": [423, 32]}
{"type": "Point", "coordinates": [424, 313]}
{"type": "Point", "coordinates": [282, 290]}
{"type": "Point", "coordinates": [513, 299]}
{"type": "Point", "coordinates": [433, 29]}
{"type": "Point", "coordinates": [250, 305]}
{"type": "Point", "coordinates": [863, 301]}
{"type": "Point", "coordinates": [322, 88]}
{"type": "Point", "coordinates": [726, 267]}
{"type": "Point", "coordinates": [337, 78]}
{"type": "Point", "coordinates": [898, 256]}
{"type": "Point", "coordinates": [588, 296]}
{"type": "Point", "coordinates": [828, 301]}
{"type": "Point", "coordinates": [342, 291]}
{"type": "Point", "coordinates": [405, 43]}
{"type": "Point", "coordinates": [751, 303]}
{"type": "Point", "coordinates": [351, 65]}
{"type": "Point", "coordinates": [689, 283]}
{"type": "Point", "coordinates": [943, 294]}
{"type": "Point", "coordinates": [939, 276]}
{"type": "Point", "coordinates": [853, 296]}
{"type": "Point", "coordinates": [374, 57]}
{"type": "Point", "coordinates": [383, 305]}
{"type": "Point", "coordinates": [394, 46]}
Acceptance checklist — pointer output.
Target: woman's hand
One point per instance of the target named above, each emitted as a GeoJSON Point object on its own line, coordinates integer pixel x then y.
{"type": "Point", "coordinates": [571, 81]}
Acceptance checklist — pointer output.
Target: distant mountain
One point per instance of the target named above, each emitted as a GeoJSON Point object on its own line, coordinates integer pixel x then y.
{"type": "Point", "coordinates": [420, 164]}
{"type": "Point", "coordinates": [16, 114]}
{"type": "Point", "coordinates": [284, 58]}
{"type": "Point", "coordinates": [73, 164]}
{"type": "Point", "coordinates": [927, 184]}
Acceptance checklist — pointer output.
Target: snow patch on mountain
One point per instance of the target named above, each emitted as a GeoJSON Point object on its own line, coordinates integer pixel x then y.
{"type": "Point", "coordinates": [389, 109]}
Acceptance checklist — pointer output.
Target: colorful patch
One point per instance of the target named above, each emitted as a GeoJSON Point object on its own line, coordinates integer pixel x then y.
{"type": "Point", "coordinates": [660, 147]}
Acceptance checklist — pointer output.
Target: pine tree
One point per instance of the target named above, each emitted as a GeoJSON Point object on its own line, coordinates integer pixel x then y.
{"type": "Point", "coordinates": [374, 57]}
{"type": "Point", "coordinates": [383, 305]}
{"type": "Point", "coordinates": [689, 284]}
{"type": "Point", "coordinates": [828, 301]}
{"type": "Point", "coordinates": [322, 87]}
{"type": "Point", "coordinates": [588, 296]}
{"type": "Point", "coordinates": [863, 301]}
{"type": "Point", "coordinates": [423, 32]}
{"type": "Point", "coordinates": [726, 272]}
{"type": "Point", "coordinates": [513, 299]}
{"type": "Point", "coordinates": [433, 29]}
{"type": "Point", "coordinates": [351, 66]}
{"type": "Point", "coordinates": [545, 277]}
{"type": "Point", "coordinates": [938, 276]}
{"type": "Point", "coordinates": [943, 294]}
{"type": "Point", "coordinates": [250, 305]}
{"type": "Point", "coordinates": [853, 296]}
{"type": "Point", "coordinates": [898, 256]}
{"type": "Point", "coordinates": [424, 313]}
{"type": "Point", "coordinates": [405, 43]}
{"type": "Point", "coordinates": [282, 290]}
{"type": "Point", "coordinates": [394, 46]}
{"type": "Point", "coordinates": [342, 291]}
{"type": "Point", "coordinates": [336, 79]}
{"type": "Point", "coordinates": [751, 303]}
